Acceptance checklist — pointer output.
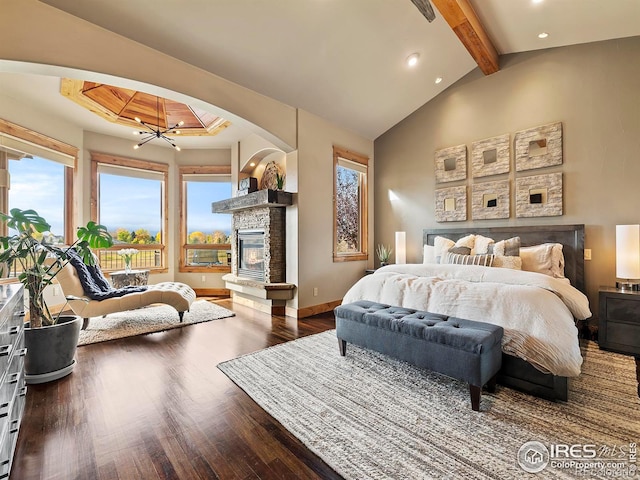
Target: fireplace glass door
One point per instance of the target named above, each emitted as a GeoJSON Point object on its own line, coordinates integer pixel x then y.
{"type": "Point", "coordinates": [251, 254]}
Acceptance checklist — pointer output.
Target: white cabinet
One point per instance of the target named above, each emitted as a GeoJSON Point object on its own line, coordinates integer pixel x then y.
{"type": "Point", "coordinates": [12, 382]}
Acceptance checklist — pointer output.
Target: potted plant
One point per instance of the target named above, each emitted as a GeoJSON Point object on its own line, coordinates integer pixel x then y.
{"type": "Point", "coordinates": [383, 253]}
{"type": "Point", "coordinates": [279, 181]}
{"type": "Point", "coordinates": [51, 340]}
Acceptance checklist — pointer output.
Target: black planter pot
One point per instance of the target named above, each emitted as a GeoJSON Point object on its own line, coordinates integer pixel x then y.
{"type": "Point", "coordinates": [51, 350]}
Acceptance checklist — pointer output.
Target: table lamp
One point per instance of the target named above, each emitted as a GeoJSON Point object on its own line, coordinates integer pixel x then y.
{"type": "Point", "coordinates": [401, 248]}
{"type": "Point", "coordinates": [628, 257]}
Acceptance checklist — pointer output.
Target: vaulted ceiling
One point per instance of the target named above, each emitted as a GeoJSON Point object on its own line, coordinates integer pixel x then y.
{"type": "Point", "coordinates": [345, 60]}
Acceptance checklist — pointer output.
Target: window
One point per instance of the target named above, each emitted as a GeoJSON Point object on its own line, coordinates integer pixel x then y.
{"type": "Point", "coordinates": [40, 177]}
{"type": "Point", "coordinates": [129, 197]}
{"type": "Point", "coordinates": [350, 206]}
{"type": "Point", "coordinates": [205, 236]}
{"type": "Point", "coordinates": [38, 184]}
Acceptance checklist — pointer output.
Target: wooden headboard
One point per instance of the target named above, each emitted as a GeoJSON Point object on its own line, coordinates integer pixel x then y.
{"type": "Point", "coordinates": [570, 236]}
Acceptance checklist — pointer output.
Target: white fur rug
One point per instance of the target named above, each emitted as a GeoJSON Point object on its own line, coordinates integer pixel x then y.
{"type": "Point", "coordinates": [148, 320]}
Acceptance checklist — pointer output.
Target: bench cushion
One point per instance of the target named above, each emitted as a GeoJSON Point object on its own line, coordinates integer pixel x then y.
{"type": "Point", "coordinates": [466, 335]}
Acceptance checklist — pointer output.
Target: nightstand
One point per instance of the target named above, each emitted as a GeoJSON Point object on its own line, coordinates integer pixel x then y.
{"type": "Point", "coordinates": [619, 323]}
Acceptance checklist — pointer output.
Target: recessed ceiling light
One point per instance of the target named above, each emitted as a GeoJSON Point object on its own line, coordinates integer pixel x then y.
{"type": "Point", "coordinates": [252, 164]}
{"type": "Point", "coordinates": [543, 35]}
{"type": "Point", "coordinates": [438, 80]}
{"type": "Point", "coordinates": [537, 1]}
{"type": "Point", "coordinates": [412, 60]}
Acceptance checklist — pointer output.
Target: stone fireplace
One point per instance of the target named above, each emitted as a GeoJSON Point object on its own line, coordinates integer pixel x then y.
{"type": "Point", "coordinates": [258, 250]}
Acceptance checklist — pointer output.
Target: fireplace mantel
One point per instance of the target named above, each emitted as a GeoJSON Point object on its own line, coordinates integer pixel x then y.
{"type": "Point", "coordinates": [259, 199]}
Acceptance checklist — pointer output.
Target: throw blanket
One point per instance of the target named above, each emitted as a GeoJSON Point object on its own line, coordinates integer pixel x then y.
{"type": "Point", "coordinates": [94, 284]}
{"type": "Point", "coordinates": [536, 311]}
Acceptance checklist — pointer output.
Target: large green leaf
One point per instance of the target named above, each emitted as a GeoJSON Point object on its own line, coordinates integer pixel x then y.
{"type": "Point", "coordinates": [25, 221]}
{"type": "Point", "coordinates": [95, 235]}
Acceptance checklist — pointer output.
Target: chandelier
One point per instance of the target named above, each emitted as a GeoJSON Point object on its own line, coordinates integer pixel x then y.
{"type": "Point", "coordinates": [155, 131]}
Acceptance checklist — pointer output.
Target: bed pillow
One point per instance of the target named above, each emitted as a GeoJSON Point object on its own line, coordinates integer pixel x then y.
{"type": "Point", "coordinates": [441, 246]}
{"type": "Point", "coordinates": [468, 241]}
{"type": "Point", "coordinates": [445, 245]}
{"type": "Point", "coordinates": [508, 261]}
{"type": "Point", "coordinates": [481, 245]}
{"type": "Point", "coordinates": [546, 258]}
{"type": "Point", "coordinates": [509, 247]}
{"type": "Point", "coordinates": [429, 254]}
{"type": "Point", "coordinates": [458, 259]}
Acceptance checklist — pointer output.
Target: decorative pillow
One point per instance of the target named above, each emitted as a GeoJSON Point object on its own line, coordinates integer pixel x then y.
{"type": "Point", "coordinates": [509, 247]}
{"type": "Point", "coordinates": [514, 263]}
{"type": "Point", "coordinates": [442, 245]}
{"type": "Point", "coordinates": [457, 259]}
{"type": "Point", "coordinates": [429, 254]}
{"type": "Point", "coordinates": [557, 260]}
{"type": "Point", "coordinates": [460, 250]}
{"type": "Point", "coordinates": [481, 245]}
{"type": "Point", "coordinates": [546, 258]}
{"type": "Point", "coordinates": [467, 241]}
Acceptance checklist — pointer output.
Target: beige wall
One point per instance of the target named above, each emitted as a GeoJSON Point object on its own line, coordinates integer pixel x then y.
{"type": "Point", "coordinates": [592, 89]}
{"type": "Point", "coordinates": [316, 138]}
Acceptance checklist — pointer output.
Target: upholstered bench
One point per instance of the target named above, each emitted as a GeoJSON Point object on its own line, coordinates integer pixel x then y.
{"type": "Point", "coordinates": [463, 349]}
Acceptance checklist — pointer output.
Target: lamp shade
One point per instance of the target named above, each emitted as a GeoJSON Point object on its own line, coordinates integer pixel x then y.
{"type": "Point", "coordinates": [628, 251]}
{"type": "Point", "coordinates": [401, 247]}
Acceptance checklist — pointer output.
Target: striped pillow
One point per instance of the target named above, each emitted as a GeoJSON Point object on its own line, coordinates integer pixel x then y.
{"type": "Point", "coordinates": [457, 259]}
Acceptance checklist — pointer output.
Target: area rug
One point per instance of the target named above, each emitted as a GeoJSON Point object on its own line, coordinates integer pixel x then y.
{"type": "Point", "coordinates": [369, 416]}
{"type": "Point", "coordinates": [150, 319]}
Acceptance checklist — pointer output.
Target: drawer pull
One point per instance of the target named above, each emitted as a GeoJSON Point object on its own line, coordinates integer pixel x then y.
{"type": "Point", "coordinates": [22, 352]}
{"type": "Point", "coordinates": [14, 330]}
{"type": "Point", "coordinates": [20, 314]}
{"type": "Point", "coordinates": [13, 378]}
{"type": "Point", "coordinates": [5, 350]}
{"type": "Point", "coordinates": [22, 392]}
{"type": "Point", "coordinates": [4, 410]}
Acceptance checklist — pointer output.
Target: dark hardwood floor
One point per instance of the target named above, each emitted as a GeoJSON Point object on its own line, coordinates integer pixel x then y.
{"type": "Point", "coordinates": [156, 407]}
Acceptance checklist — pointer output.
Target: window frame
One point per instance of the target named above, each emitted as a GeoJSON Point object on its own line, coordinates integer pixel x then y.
{"type": "Point", "coordinates": [198, 170]}
{"type": "Point", "coordinates": [42, 141]}
{"type": "Point", "coordinates": [98, 158]}
{"type": "Point", "coordinates": [364, 202]}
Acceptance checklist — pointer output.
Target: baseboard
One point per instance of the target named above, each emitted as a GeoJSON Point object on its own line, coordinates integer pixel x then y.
{"type": "Point", "coordinates": [212, 292]}
{"type": "Point", "coordinates": [316, 309]}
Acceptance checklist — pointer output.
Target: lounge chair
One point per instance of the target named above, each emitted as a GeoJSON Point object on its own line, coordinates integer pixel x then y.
{"type": "Point", "coordinates": [178, 295]}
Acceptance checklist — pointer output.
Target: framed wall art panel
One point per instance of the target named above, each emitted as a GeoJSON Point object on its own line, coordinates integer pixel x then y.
{"type": "Point", "coordinates": [451, 164]}
{"type": "Point", "coordinates": [490, 156]}
{"type": "Point", "coordinates": [539, 147]}
{"type": "Point", "coordinates": [490, 200]}
{"type": "Point", "coordinates": [539, 195]}
{"type": "Point", "coordinates": [451, 204]}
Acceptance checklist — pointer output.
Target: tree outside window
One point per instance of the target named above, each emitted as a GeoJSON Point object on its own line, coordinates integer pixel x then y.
{"type": "Point", "coordinates": [350, 206]}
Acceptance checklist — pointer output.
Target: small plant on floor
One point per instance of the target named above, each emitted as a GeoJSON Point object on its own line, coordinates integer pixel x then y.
{"type": "Point", "coordinates": [384, 253]}
{"type": "Point", "coordinates": [37, 261]}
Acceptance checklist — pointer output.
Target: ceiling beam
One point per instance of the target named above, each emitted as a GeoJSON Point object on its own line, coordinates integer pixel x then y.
{"type": "Point", "coordinates": [463, 20]}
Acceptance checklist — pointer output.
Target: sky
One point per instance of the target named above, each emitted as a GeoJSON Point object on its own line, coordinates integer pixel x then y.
{"type": "Point", "coordinates": [126, 202]}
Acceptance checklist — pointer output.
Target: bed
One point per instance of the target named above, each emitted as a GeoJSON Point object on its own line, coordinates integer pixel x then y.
{"type": "Point", "coordinates": [540, 349]}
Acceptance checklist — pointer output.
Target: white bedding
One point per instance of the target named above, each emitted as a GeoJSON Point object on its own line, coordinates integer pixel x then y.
{"type": "Point", "coordinates": [536, 311]}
